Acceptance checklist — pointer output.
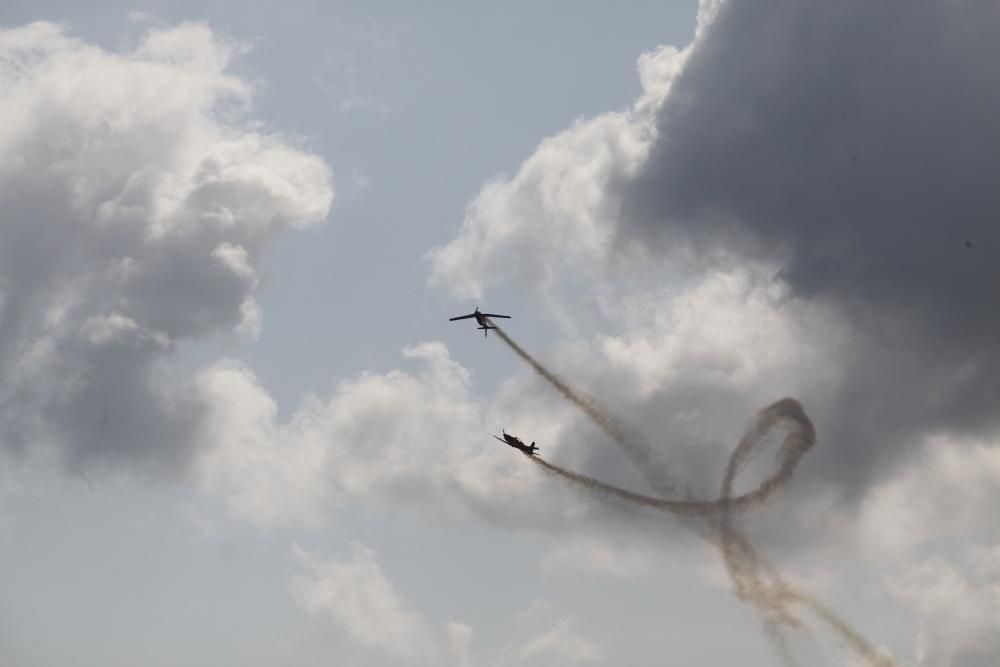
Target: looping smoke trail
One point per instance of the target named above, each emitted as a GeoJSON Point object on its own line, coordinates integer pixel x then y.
{"type": "Point", "coordinates": [754, 580]}
{"type": "Point", "coordinates": [800, 439]}
{"type": "Point", "coordinates": [631, 442]}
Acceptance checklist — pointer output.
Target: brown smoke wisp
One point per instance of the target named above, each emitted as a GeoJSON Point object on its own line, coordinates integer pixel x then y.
{"type": "Point", "coordinates": [753, 579]}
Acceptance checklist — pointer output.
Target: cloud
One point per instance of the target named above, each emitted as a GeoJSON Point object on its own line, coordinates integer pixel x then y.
{"type": "Point", "coordinates": [558, 209]}
{"type": "Point", "coordinates": [946, 491]}
{"type": "Point", "coordinates": [358, 597]}
{"type": "Point", "coordinates": [560, 645]}
{"type": "Point", "coordinates": [459, 643]}
{"type": "Point", "coordinates": [958, 607]}
{"type": "Point", "coordinates": [396, 438]}
{"type": "Point", "coordinates": [138, 205]}
{"type": "Point", "coordinates": [403, 439]}
{"type": "Point", "coordinates": [851, 155]}
{"type": "Point", "coordinates": [828, 159]}
{"type": "Point", "coordinates": [842, 145]}
{"type": "Point", "coordinates": [800, 203]}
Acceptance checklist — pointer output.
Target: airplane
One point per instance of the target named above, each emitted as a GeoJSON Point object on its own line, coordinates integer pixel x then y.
{"type": "Point", "coordinates": [481, 318]}
{"type": "Point", "coordinates": [517, 443]}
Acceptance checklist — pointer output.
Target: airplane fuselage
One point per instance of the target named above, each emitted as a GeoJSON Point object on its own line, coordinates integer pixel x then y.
{"type": "Point", "coordinates": [517, 443]}
{"type": "Point", "coordinates": [482, 319]}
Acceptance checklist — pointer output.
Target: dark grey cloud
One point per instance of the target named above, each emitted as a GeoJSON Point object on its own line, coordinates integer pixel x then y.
{"type": "Point", "coordinates": [136, 208]}
{"type": "Point", "coordinates": [851, 144]}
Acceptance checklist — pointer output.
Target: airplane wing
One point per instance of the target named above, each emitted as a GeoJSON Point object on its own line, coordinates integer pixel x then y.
{"type": "Point", "coordinates": [506, 317]}
{"type": "Point", "coordinates": [500, 439]}
{"type": "Point", "coordinates": [461, 317]}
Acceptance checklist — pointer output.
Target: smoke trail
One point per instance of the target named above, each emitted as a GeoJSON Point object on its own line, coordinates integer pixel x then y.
{"type": "Point", "coordinates": [628, 439]}
{"type": "Point", "coordinates": [800, 438]}
{"type": "Point", "coordinates": [754, 580]}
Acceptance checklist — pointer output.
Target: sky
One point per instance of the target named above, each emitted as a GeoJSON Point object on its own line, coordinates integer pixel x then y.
{"type": "Point", "coordinates": [748, 251]}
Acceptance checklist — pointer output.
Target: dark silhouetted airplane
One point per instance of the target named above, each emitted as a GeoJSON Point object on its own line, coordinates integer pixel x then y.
{"type": "Point", "coordinates": [481, 318]}
{"type": "Point", "coordinates": [517, 443]}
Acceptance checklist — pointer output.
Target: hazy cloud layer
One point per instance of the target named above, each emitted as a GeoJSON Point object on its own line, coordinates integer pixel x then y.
{"type": "Point", "coordinates": [958, 606]}
{"type": "Point", "coordinates": [560, 645]}
{"type": "Point", "coordinates": [137, 204]}
{"type": "Point", "coordinates": [361, 600]}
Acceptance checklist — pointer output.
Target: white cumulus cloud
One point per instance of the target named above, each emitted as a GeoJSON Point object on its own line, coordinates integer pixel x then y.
{"type": "Point", "coordinates": [359, 598]}
{"type": "Point", "coordinates": [138, 203]}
